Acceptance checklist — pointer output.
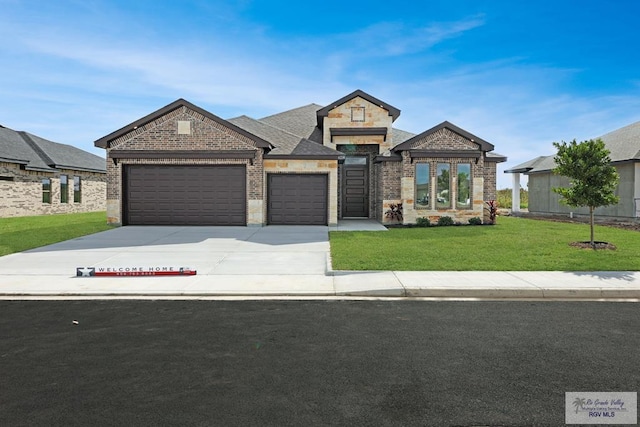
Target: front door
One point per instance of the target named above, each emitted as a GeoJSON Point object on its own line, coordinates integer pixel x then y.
{"type": "Point", "coordinates": [355, 187]}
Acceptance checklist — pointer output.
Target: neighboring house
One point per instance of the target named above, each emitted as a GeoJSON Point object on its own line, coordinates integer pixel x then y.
{"type": "Point", "coordinates": [39, 177]}
{"type": "Point", "coordinates": [624, 145]}
{"type": "Point", "coordinates": [310, 165]}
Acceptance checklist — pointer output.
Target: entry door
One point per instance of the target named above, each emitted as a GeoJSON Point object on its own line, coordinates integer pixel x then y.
{"type": "Point", "coordinates": [355, 187]}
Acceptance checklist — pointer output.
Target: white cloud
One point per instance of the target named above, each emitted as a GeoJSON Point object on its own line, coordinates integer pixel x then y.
{"type": "Point", "coordinates": [76, 85]}
{"type": "Point", "coordinates": [396, 38]}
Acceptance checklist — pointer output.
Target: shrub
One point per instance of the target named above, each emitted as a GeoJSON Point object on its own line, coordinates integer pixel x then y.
{"type": "Point", "coordinates": [445, 220]}
{"type": "Point", "coordinates": [475, 221]}
{"type": "Point", "coordinates": [423, 222]}
{"type": "Point", "coordinates": [492, 208]}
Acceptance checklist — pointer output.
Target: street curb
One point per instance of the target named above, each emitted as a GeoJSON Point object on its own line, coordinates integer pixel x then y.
{"type": "Point", "coordinates": [495, 294]}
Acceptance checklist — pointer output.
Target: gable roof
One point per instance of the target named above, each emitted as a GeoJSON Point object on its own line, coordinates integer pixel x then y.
{"type": "Point", "coordinates": [104, 142]}
{"type": "Point", "coordinates": [406, 145]}
{"type": "Point", "coordinates": [296, 132]}
{"type": "Point", "coordinates": [324, 112]}
{"type": "Point", "coordinates": [623, 144]}
{"type": "Point", "coordinates": [39, 154]}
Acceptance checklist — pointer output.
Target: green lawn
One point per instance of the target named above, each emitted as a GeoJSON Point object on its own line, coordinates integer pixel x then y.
{"type": "Point", "coordinates": [513, 244]}
{"type": "Point", "coordinates": [22, 233]}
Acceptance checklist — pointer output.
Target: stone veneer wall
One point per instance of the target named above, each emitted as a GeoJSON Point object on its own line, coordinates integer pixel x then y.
{"type": "Point", "coordinates": [340, 117]}
{"type": "Point", "coordinates": [23, 195]}
{"type": "Point", "coordinates": [329, 167]}
{"type": "Point", "coordinates": [205, 134]}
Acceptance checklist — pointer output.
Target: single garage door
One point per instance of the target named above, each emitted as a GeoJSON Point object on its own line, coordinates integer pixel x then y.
{"type": "Point", "coordinates": [297, 199]}
{"type": "Point", "coordinates": [185, 195]}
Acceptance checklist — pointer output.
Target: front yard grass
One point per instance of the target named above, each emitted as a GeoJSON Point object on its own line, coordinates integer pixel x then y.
{"type": "Point", "coordinates": [513, 244]}
{"type": "Point", "coordinates": [22, 233]}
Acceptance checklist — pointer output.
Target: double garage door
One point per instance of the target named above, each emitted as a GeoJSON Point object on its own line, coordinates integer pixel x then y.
{"type": "Point", "coordinates": [185, 195]}
{"type": "Point", "coordinates": [216, 195]}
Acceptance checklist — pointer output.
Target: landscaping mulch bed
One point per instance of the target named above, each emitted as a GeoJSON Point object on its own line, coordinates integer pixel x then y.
{"type": "Point", "coordinates": [598, 245]}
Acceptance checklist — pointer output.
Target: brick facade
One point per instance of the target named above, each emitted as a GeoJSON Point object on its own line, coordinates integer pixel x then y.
{"type": "Point", "coordinates": [22, 192]}
{"type": "Point", "coordinates": [163, 134]}
{"type": "Point", "coordinates": [442, 141]}
{"type": "Point", "coordinates": [357, 125]}
{"type": "Point", "coordinates": [389, 192]}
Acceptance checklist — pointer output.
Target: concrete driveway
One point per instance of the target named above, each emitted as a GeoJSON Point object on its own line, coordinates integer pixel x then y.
{"type": "Point", "coordinates": [241, 258]}
{"type": "Point", "coordinates": [209, 250]}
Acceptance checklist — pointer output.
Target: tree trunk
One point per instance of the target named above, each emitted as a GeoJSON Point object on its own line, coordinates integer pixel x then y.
{"type": "Point", "coordinates": [593, 244]}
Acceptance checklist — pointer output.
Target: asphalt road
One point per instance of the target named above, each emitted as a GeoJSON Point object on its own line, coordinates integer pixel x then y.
{"type": "Point", "coordinates": [309, 362]}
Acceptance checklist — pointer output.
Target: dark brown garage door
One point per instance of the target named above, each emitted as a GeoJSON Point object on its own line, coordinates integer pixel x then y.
{"type": "Point", "coordinates": [185, 195]}
{"type": "Point", "coordinates": [296, 199]}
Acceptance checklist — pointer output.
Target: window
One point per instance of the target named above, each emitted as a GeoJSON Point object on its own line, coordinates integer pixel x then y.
{"type": "Point", "coordinates": [64, 189]}
{"type": "Point", "coordinates": [46, 190]}
{"type": "Point", "coordinates": [77, 189]}
{"type": "Point", "coordinates": [422, 185]}
{"type": "Point", "coordinates": [355, 160]}
{"type": "Point", "coordinates": [443, 198]}
{"type": "Point", "coordinates": [464, 186]}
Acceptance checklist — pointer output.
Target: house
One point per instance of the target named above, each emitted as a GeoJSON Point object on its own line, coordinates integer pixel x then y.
{"type": "Point", "coordinates": [624, 147]}
{"type": "Point", "coordinates": [310, 165]}
{"type": "Point", "coordinates": [40, 177]}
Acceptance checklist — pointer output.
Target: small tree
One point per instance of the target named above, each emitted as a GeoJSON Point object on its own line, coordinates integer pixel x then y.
{"type": "Point", "coordinates": [593, 180]}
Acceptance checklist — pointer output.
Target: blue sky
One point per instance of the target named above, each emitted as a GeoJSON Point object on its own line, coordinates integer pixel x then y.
{"type": "Point", "coordinates": [517, 74]}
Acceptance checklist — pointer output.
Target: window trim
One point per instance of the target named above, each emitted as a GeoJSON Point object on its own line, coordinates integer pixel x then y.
{"type": "Point", "coordinates": [429, 198]}
{"type": "Point", "coordinates": [77, 189]}
{"type": "Point", "coordinates": [448, 189]}
{"type": "Point", "coordinates": [470, 205]}
{"type": "Point", "coordinates": [46, 190]}
{"type": "Point", "coordinates": [64, 189]}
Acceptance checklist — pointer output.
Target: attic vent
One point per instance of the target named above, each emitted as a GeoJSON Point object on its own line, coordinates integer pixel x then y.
{"type": "Point", "coordinates": [184, 127]}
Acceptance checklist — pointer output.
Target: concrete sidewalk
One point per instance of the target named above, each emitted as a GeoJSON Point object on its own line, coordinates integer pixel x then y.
{"type": "Point", "coordinates": [434, 284]}
{"type": "Point", "coordinates": [286, 261]}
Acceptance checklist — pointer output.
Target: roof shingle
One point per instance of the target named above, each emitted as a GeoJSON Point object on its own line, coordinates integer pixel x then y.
{"type": "Point", "coordinates": [623, 143]}
{"type": "Point", "coordinates": [40, 154]}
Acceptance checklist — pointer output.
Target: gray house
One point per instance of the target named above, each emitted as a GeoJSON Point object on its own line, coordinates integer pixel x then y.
{"type": "Point", "coordinates": [624, 145]}
{"type": "Point", "coordinates": [39, 177]}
